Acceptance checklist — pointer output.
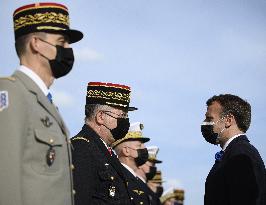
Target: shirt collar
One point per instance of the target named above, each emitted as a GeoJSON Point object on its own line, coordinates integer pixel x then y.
{"type": "Point", "coordinates": [129, 169]}
{"type": "Point", "coordinates": [32, 75]}
{"type": "Point", "coordinates": [141, 178]}
{"type": "Point", "coordinates": [230, 140]}
{"type": "Point", "coordinates": [108, 147]}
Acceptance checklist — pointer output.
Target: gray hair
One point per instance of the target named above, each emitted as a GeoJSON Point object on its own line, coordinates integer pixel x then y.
{"type": "Point", "coordinates": [92, 109]}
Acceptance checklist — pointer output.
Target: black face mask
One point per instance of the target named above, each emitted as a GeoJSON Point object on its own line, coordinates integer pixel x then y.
{"type": "Point", "coordinates": [122, 128]}
{"type": "Point", "coordinates": [63, 62]}
{"type": "Point", "coordinates": [143, 156]}
{"type": "Point", "coordinates": [208, 134]}
{"type": "Point", "coordinates": [152, 173]}
{"type": "Point", "coordinates": [159, 191]}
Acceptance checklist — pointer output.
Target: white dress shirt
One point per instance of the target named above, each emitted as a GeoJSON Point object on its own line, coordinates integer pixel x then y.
{"type": "Point", "coordinates": [230, 140]}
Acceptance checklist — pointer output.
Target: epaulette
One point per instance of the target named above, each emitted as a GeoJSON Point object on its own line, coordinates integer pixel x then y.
{"type": "Point", "coordinates": [80, 138]}
{"type": "Point", "coordinates": [8, 78]}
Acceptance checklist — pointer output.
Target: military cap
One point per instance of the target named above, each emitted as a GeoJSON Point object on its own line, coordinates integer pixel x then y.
{"type": "Point", "coordinates": [179, 195]}
{"type": "Point", "coordinates": [44, 17]}
{"type": "Point", "coordinates": [114, 95]}
{"type": "Point", "coordinates": [153, 151]}
{"type": "Point", "coordinates": [157, 178]}
{"type": "Point", "coordinates": [171, 193]}
{"type": "Point", "coordinates": [168, 194]}
{"type": "Point", "coordinates": [134, 133]}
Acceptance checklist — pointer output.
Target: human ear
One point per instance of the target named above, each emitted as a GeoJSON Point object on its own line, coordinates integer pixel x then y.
{"type": "Point", "coordinates": [229, 120]}
{"type": "Point", "coordinates": [34, 44]}
{"type": "Point", "coordinates": [99, 118]}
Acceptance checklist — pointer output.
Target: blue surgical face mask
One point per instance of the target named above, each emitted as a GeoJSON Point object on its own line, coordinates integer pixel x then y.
{"type": "Point", "coordinates": [208, 133]}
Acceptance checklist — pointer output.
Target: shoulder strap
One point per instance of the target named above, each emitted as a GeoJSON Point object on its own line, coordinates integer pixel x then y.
{"type": "Point", "coordinates": [80, 138]}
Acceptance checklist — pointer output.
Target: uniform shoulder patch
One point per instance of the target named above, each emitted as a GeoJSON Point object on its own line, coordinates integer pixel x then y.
{"type": "Point", "coordinates": [80, 138]}
{"type": "Point", "coordinates": [3, 100]}
{"type": "Point", "coordinates": [10, 78]}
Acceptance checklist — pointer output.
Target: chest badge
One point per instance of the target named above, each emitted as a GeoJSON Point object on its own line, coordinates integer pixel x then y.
{"type": "Point", "coordinates": [3, 100]}
{"type": "Point", "coordinates": [50, 156]}
{"type": "Point", "coordinates": [112, 191]}
{"type": "Point", "coordinates": [46, 121]}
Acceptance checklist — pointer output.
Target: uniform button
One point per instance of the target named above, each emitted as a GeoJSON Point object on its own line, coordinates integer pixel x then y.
{"type": "Point", "coordinates": [131, 198]}
{"type": "Point", "coordinates": [112, 178]}
{"type": "Point", "coordinates": [74, 192]}
{"type": "Point", "coordinates": [72, 167]}
{"type": "Point", "coordinates": [141, 202]}
{"type": "Point", "coordinates": [51, 141]}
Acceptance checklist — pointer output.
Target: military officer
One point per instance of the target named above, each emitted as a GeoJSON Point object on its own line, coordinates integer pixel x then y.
{"type": "Point", "coordinates": [34, 151]}
{"type": "Point", "coordinates": [132, 153]}
{"type": "Point", "coordinates": [98, 174]}
{"type": "Point", "coordinates": [155, 184]}
{"type": "Point", "coordinates": [153, 193]}
{"type": "Point", "coordinates": [152, 170]}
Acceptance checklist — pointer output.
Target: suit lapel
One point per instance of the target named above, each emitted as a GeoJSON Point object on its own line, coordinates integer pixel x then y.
{"type": "Point", "coordinates": [41, 98]}
{"type": "Point", "coordinates": [113, 160]}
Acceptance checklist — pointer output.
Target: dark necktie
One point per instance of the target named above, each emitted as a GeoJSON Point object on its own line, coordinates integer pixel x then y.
{"type": "Point", "coordinates": [50, 97]}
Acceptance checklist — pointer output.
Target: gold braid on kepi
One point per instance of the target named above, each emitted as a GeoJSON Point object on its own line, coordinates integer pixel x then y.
{"type": "Point", "coordinates": [133, 134]}
{"type": "Point", "coordinates": [168, 195]}
{"type": "Point", "coordinates": [114, 95]}
{"type": "Point", "coordinates": [44, 17]}
{"type": "Point", "coordinates": [179, 195]}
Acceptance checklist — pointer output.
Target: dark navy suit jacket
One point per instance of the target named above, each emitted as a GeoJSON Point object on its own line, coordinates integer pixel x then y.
{"type": "Point", "coordinates": [239, 178]}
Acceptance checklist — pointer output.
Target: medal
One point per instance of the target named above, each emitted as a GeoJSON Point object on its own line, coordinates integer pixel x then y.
{"type": "Point", "coordinates": [112, 191]}
{"type": "Point", "coordinates": [50, 156]}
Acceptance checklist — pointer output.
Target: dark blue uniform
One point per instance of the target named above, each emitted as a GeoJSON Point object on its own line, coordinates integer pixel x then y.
{"type": "Point", "coordinates": [98, 176]}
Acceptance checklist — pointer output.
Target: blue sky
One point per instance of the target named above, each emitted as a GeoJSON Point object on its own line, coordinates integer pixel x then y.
{"type": "Point", "coordinates": [174, 54]}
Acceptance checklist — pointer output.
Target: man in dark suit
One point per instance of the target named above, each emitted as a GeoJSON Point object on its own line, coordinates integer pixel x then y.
{"type": "Point", "coordinates": [238, 175]}
{"type": "Point", "coordinates": [35, 147]}
{"type": "Point", "coordinates": [98, 174]}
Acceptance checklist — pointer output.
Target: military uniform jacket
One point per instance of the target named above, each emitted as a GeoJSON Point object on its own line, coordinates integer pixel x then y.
{"type": "Point", "coordinates": [31, 131]}
{"type": "Point", "coordinates": [153, 198]}
{"type": "Point", "coordinates": [136, 191]}
{"type": "Point", "coordinates": [98, 176]}
{"type": "Point", "coordinates": [238, 178]}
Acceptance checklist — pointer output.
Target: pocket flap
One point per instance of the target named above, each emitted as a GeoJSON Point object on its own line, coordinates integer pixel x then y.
{"type": "Point", "coordinates": [48, 137]}
{"type": "Point", "coordinates": [105, 175]}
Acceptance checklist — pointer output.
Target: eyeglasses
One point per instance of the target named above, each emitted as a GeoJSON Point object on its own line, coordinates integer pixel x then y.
{"type": "Point", "coordinates": [130, 148]}
{"type": "Point", "coordinates": [121, 115]}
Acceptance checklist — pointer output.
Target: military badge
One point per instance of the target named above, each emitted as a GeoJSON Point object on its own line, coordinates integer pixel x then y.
{"type": "Point", "coordinates": [46, 121]}
{"type": "Point", "coordinates": [112, 191]}
{"type": "Point", "coordinates": [50, 156]}
{"type": "Point", "coordinates": [3, 100]}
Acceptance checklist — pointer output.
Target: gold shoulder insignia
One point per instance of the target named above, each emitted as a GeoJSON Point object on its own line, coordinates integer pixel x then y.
{"type": "Point", "coordinates": [80, 138]}
{"type": "Point", "coordinates": [138, 191]}
{"type": "Point", "coordinates": [8, 78]}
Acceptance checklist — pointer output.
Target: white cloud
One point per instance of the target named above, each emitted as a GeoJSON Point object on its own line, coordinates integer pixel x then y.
{"type": "Point", "coordinates": [62, 98]}
{"type": "Point", "coordinates": [88, 54]}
